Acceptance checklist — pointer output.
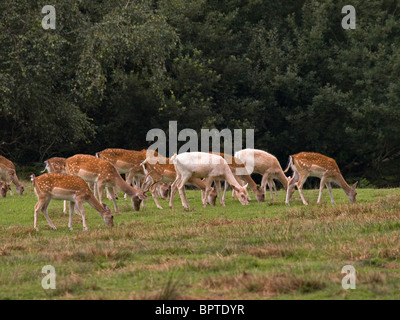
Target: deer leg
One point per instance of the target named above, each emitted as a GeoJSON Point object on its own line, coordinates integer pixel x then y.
{"type": "Point", "coordinates": [115, 205]}
{"type": "Point", "coordinates": [291, 187]}
{"type": "Point", "coordinates": [264, 182]}
{"type": "Point", "coordinates": [38, 207]}
{"type": "Point", "coordinates": [225, 189]}
{"type": "Point", "coordinates": [109, 193]}
{"type": "Point", "coordinates": [82, 211]}
{"type": "Point", "coordinates": [208, 183]}
{"type": "Point", "coordinates": [71, 210]}
{"type": "Point", "coordinates": [100, 190]}
{"type": "Point", "coordinates": [321, 187]}
{"type": "Point", "coordinates": [44, 210]}
{"type": "Point", "coordinates": [299, 185]}
{"type": "Point", "coordinates": [272, 188]}
{"type": "Point", "coordinates": [217, 184]}
{"type": "Point", "coordinates": [182, 191]}
{"type": "Point", "coordinates": [153, 191]}
{"type": "Point", "coordinates": [173, 190]}
{"type": "Point", "coordinates": [329, 187]}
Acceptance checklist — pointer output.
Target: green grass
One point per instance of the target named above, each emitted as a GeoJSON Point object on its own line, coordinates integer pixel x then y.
{"type": "Point", "coordinates": [260, 251]}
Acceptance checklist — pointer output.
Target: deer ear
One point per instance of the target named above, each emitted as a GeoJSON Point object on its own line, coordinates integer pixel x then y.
{"type": "Point", "coordinates": [355, 185]}
{"type": "Point", "coordinates": [245, 186]}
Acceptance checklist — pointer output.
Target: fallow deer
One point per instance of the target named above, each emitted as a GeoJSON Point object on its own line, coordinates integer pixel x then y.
{"type": "Point", "coordinates": [312, 164]}
{"type": "Point", "coordinates": [264, 163]}
{"type": "Point", "coordinates": [104, 174]}
{"type": "Point", "coordinates": [9, 175]}
{"type": "Point", "coordinates": [56, 165]}
{"type": "Point", "coordinates": [59, 186]}
{"type": "Point", "coordinates": [203, 165]}
{"type": "Point", "coordinates": [127, 162]}
{"type": "Point", "coordinates": [235, 165]}
{"type": "Point", "coordinates": [164, 171]}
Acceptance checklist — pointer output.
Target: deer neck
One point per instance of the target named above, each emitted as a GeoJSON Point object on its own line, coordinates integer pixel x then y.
{"type": "Point", "coordinates": [343, 184]}
{"type": "Point", "coordinates": [198, 182]}
{"type": "Point", "coordinates": [252, 185]}
{"type": "Point", "coordinates": [15, 180]}
{"type": "Point", "coordinates": [283, 179]}
{"type": "Point", "coordinates": [96, 205]}
{"type": "Point", "coordinates": [229, 177]}
{"type": "Point", "coordinates": [123, 186]}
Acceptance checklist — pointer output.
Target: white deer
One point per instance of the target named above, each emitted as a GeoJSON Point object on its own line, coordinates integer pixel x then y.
{"type": "Point", "coordinates": [164, 171]}
{"type": "Point", "coordinates": [264, 163]}
{"type": "Point", "coordinates": [203, 165]}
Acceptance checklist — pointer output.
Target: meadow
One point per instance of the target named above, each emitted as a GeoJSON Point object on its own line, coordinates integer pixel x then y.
{"type": "Point", "coordinates": [260, 251]}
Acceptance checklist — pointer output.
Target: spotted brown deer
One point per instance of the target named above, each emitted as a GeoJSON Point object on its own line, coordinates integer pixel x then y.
{"type": "Point", "coordinates": [59, 186]}
{"type": "Point", "coordinates": [127, 162]}
{"type": "Point", "coordinates": [104, 174]}
{"type": "Point", "coordinates": [305, 164]}
{"type": "Point", "coordinates": [9, 175]}
{"type": "Point", "coordinates": [56, 165]}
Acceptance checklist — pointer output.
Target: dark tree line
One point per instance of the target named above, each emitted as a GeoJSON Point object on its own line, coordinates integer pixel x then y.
{"type": "Point", "coordinates": [112, 70]}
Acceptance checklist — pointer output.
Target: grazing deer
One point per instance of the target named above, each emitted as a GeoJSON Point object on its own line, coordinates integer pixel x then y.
{"type": "Point", "coordinates": [59, 186]}
{"type": "Point", "coordinates": [104, 174]}
{"type": "Point", "coordinates": [127, 162]}
{"type": "Point", "coordinates": [307, 164]}
{"type": "Point", "coordinates": [9, 175]}
{"type": "Point", "coordinates": [56, 165]}
{"type": "Point", "coordinates": [235, 164]}
{"type": "Point", "coordinates": [203, 165]}
{"type": "Point", "coordinates": [164, 171]}
{"type": "Point", "coordinates": [263, 163]}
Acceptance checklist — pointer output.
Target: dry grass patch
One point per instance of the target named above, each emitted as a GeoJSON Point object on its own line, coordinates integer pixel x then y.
{"type": "Point", "coordinates": [265, 285]}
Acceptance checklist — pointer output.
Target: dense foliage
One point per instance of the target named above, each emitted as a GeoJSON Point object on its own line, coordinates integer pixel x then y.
{"type": "Point", "coordinates": [112, 70]}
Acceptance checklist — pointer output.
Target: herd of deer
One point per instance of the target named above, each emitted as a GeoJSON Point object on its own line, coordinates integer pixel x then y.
{"type": "Point", "coordinates": [73, 179]}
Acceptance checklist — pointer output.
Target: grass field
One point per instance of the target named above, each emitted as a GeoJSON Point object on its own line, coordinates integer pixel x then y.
{"type": "Point", "coordinates": [260, 251]}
